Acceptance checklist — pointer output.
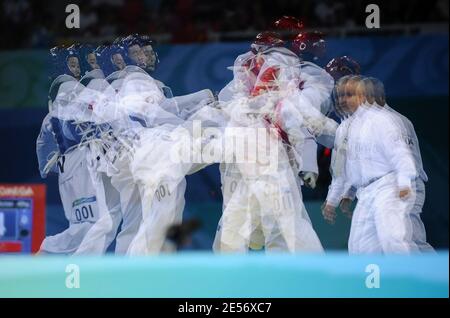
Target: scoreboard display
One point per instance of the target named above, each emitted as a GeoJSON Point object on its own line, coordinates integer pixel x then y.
{"type": "Point", "coordinates": [22, 218]}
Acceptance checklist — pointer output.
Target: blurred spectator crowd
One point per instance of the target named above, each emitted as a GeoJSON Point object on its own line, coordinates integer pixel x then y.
{"type": "Point", "coordinates": [31, 24]}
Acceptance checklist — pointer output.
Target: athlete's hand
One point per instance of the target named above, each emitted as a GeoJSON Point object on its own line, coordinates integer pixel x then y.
{"type": "Point", "coordinates": [309, 178]}
{"type": "Point", "coordinates": [346, 207]}
{"type": "Point", "coordinates": [329, 213]}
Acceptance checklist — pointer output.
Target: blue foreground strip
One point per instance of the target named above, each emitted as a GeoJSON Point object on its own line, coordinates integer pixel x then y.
{"type": "Point", "coordinates": [207, 275]}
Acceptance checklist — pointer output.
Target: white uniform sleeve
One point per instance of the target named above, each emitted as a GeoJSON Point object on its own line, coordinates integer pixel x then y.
{"type": "Point", "coordinates": [226, 93]}
{"type": "Point", "coordinates": [336, 191]}
{"type": "Point", "coordinates": [159, 116]}
{"type": "Point", "coordinates": [338, 187]}
{"type": "Point", "coordinates": [317, 84]}
{"type": "Point", "coordinates": [300, 106]}
{"type": "Point", "coordinates": [309, 153]}
{"type": "Point", "coordinates": [46, 148]}
{"type": "Point", "coordinates": [398, 153]}
{"type": "Point", "coordinates": [188, 104]}
{"type": "Point", "coordinates": [292, 124]}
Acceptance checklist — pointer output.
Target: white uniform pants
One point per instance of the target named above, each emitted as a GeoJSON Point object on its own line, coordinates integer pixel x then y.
{"type": "Point", "coordinates": [266, 210]}
{"type": "Point", "coordinates": [384, 223]}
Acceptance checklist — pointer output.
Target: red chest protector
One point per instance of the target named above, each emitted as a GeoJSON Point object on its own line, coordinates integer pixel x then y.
{"type": "Point", "coordinates": [266, 81]}
{"type": "Point", "coordinates": [277, 124]}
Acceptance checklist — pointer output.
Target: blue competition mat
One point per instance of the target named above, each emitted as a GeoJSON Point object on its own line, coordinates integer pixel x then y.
{"type": "Point", "coordinates": [208, 275]}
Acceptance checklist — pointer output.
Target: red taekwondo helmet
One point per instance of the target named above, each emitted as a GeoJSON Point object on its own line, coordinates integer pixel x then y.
{"type": "Point", "coordinates": [289, 26]}
{"type": "Point", "coordinates": [342, 66]}
{"type": "Point", "coordinates": [309, 43]}
{"type": "Point", "coordinates": [266, 40]}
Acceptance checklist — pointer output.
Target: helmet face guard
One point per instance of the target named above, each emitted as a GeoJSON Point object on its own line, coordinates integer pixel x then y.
{"type": "Point", "coordinates": [132, 50]}
{"type": "Point", "coordinates": [66, 60]}
{"type": "Point", "coordinates": [147, 45]}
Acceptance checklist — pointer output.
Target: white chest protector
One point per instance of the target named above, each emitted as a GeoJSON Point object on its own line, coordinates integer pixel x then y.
{"type": "Point", "coordinates": [76, 188]}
